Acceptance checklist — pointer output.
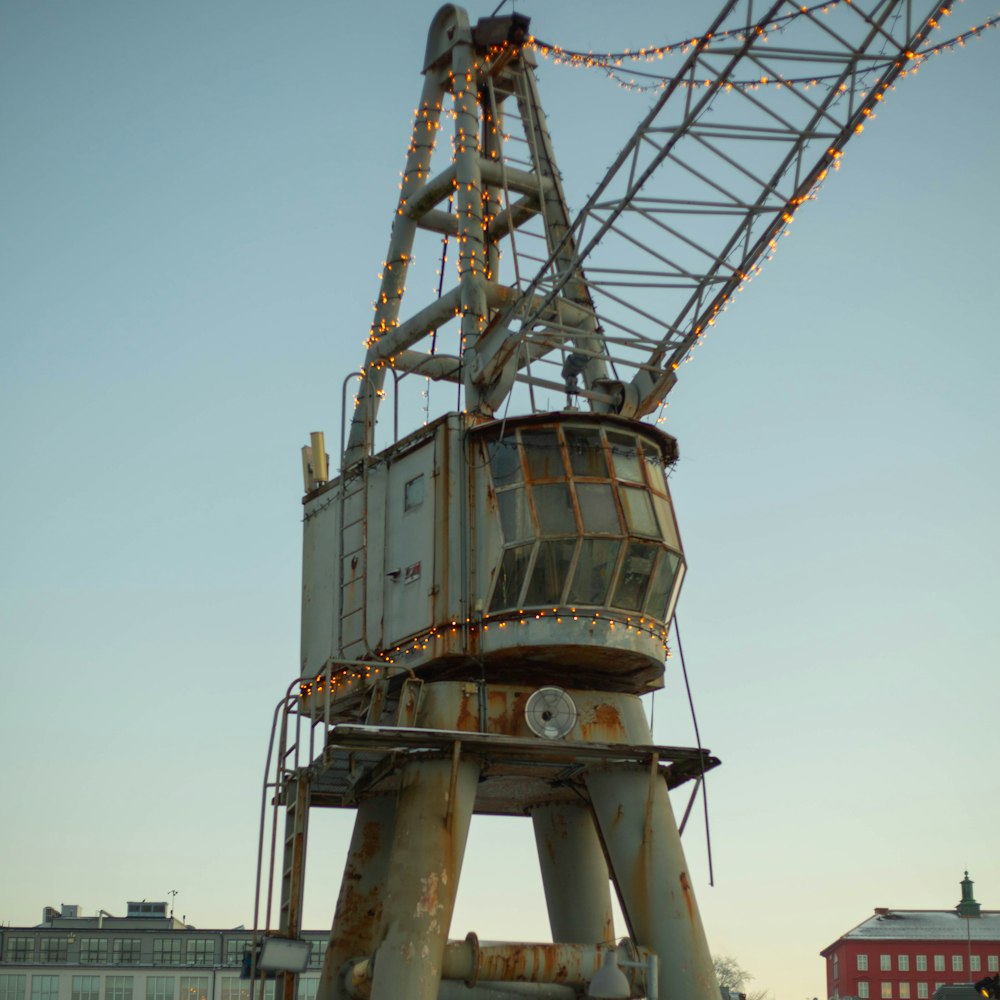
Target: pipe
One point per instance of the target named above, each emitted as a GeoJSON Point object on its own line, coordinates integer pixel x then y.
{"type": "Point", "coordinates": [510, 962]}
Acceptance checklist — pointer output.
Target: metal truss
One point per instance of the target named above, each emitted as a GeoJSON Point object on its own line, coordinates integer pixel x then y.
{"type": "Point", "coordinates": [607, 304]}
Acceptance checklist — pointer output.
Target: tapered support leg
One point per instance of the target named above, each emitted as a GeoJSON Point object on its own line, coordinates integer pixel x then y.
{"type": "Point", "coordinates": [574, 873]}
{"type": "Point", "coordinates": [640, 835]}
{"type": "Point", "coordinates": [433, 813]}
{"type": "Point", "coordinates": [359, 906]}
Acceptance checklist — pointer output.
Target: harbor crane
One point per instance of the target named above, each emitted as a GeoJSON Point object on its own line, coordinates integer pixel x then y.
{"type": "Point", "coordinates": [487, 594]}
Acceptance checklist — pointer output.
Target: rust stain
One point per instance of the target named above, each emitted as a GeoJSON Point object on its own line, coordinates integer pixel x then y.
{"type": "Point", "coordinates": [605, 724]}
{"type": "Point", "coordinates": [688, 896]}
{"type": "Point", "coordinates": [517, 712]}
{"type": "Point", "coordinates": [468, 720]}
{"type": "Point", "coordinates": [500, 712]}
{"type": "Point", "coordinates": [369, 841]}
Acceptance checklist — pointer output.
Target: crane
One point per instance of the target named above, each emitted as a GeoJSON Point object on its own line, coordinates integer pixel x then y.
{"type": "Point", "coordinates": [487, 597]}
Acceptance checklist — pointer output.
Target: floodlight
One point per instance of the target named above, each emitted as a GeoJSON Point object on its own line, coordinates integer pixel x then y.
{"type": "Point", "coordinates": [278, 954]}
{"type": "Point", "coordinates": [609, 983]}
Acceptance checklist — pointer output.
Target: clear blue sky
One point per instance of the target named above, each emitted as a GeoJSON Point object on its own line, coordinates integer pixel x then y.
{"type": "Point", "coordinates": [196, 198]}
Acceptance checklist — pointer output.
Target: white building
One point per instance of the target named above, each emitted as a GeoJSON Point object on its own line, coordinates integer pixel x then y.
{"type": "Point", "coordinates": [145, 955]}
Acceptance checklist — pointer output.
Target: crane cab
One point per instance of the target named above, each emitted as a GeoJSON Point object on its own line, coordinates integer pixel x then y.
{"type": "Point", "coordinates": [541, 545]}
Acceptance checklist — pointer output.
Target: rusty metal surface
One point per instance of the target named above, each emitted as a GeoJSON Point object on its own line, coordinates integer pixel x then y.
{"type": "Point", "coordinates": [647, 861]}
{"type": "Point", "coordinates": [574, 872]}
{"type": "Point", "coordinates": [433, 812]}
{"type": "Point", "coordinates": [510, 962]}
{"type": "Point", "coordinates": [358, 915]}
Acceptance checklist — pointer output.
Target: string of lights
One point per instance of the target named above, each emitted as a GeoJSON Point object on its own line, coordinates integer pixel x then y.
{"type": "Point", "coordinates": [612, 620]}
{"type": "Point", "coordinates": [611, 62]}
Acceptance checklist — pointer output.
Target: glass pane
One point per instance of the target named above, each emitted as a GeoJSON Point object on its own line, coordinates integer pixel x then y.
{"type": "Point", "coordinates": [665, 516]}
{"type": "Point", "coordinates": [597, 507]}
{"type": "Point", "coordinates": [654, 466]}
{"type": "Point", "coordinates": [515, 518]}
{"type": "Point", "coordinates": [594, 570]}
{"type": "Point", "coordinates": [513, 569]}
{"type": "Point", "coordinates": [543, 454]}
{"type": "Point", "coordinates": [554, 509]}
{"type": "Point", "coordinates": [505, 458]}
{"type": "Point", "coordinates": [586, 452]}
{"type": "Point", "coordinates": [639, 514]}
{"type": "Point", "coordinates": [630, 593]}
{"type": "Point", "coordinates": [662, 586]}
{"type": "Point", "coordinates": [625, 456]}
{"type": "Point", "coordinates": [551, 570]}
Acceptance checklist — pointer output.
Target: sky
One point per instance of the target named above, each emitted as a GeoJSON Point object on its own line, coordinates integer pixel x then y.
{"type": "Point", "coordinates": [196, 200]}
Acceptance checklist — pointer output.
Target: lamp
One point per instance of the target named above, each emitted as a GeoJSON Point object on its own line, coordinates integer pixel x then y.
{"type": "Point", "coordinates": [989, 987]}
{"type": "Point", "coordinates": [609, 982]}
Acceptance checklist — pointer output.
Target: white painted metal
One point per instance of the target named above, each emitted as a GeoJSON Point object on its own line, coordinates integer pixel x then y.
{"type": "Point", "coordinates": [574, 872]}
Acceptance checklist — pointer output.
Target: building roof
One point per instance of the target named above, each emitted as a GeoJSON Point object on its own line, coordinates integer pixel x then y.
{"type": "Point", "coordinates": [924, 925]}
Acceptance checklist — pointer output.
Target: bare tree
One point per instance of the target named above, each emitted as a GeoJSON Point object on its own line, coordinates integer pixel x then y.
{"type": "Point", "coordinates": [732, 976]}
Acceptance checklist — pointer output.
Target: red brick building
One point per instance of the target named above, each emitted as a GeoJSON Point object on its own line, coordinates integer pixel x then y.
{"type": "Point", "coordinates": [908, 954]}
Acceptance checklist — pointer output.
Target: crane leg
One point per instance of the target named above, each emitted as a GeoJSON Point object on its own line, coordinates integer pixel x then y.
{"type": "Point", "coordinates": [362, 894]}
{"type": "Point", "coordinates": [644, 849]}
{"type": "Point", "coordinates": [574, 873]}
{"type": "Point", "coordinates": [433, 813]}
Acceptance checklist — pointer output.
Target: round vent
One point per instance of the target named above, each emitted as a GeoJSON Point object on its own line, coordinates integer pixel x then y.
{"type": "Point", "coordinates": [550, 713]}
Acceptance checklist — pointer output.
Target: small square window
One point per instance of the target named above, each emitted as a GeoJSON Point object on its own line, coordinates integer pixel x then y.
{"type": "Point", "coordinates": [12, 987]}
{"type": "Point", "coordinates": [19, 949]}
{"type": "Point", "coordinates": [44, 988]}
{"type": "Point", "coordinates": [200, 951]}
{"type": "Point", "coordinates": [53, 949]}
{"type": "Point", "coordinates": [236, 948]}
{"type": "Point", "coordinates": [118, 988]}
{"type": "Point", "coordinates": [413, 493]}
{"type": "Point", "coordinates": [126, 951]}
{"type": "Point", "coordinates": [86, 987]}
{"type": "Point", "coordinates": [93, 950]}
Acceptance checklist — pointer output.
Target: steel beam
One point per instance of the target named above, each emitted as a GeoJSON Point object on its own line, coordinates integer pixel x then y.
{"type": "Point", "coordinates": [362, 894]}
{"type": "Point", "coordinates": [574, 873]}
{"type": "Point", "coordinates": [644, 848]}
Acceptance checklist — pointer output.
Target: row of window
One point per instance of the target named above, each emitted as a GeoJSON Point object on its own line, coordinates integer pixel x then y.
{"type": "Point", "coordinates": [127, 951]}
{"type": "Point", "coordinates": [957, 963]}
{"type": "Point", "coordinates": [903, 991]}
{"type": "Point", "coordinates": [15, 987]}
{"type": "Point", "coordinates": [123, 951]}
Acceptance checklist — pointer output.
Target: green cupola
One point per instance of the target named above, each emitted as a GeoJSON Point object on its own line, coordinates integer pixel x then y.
{"type": "Point", "coordinates": [967, 906]}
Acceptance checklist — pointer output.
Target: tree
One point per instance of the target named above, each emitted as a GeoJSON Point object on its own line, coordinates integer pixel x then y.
{"type": "Point", "coordinates": [732, 976]}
